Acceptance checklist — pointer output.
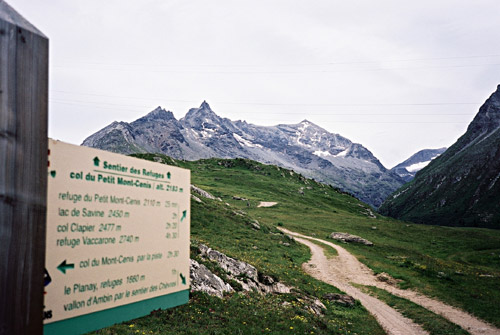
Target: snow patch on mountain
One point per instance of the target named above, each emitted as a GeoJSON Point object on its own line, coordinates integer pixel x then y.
{"type": "Point", "coordinates": [416, 162]}
{"type": "Point", "coordinates": [320, 153]}
{"type": "Point", "coordinates": [246, 143]}
{"type": "Point", "coordinates": [342, 153]}
{"type": "Point", "coordinates": [418, 166]}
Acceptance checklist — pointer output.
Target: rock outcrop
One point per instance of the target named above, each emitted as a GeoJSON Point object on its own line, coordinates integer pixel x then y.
{"type": "Point", "coordinates": [311, 304]}
{"type": "Point", "coordinates": [243, 273]}
{"type": "Point", "coordinates": [246, 276]}
{"type": "Point", "coordinates": [202, 279]}
{"type": "Point", "coordinates": [202, 193]}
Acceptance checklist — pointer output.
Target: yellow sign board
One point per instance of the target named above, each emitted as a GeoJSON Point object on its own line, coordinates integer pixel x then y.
{"type": "Point", "coordinates": [117, 238]}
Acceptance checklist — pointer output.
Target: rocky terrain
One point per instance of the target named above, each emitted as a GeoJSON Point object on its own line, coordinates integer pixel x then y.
{"type": "Point", "coordinates": [461, 187]}
{"type": "Point", "coordinates": [245, 278]}
{"type": "Point", "coordinates": [304, 147]}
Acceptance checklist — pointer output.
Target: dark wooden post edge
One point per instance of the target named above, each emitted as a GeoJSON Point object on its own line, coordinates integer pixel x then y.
{"type": "Point", "coordinates": [23, 172]}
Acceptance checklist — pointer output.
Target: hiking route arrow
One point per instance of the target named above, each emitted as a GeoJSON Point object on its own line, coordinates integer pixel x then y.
{"type": "Point", "coordinates": [64, 266]}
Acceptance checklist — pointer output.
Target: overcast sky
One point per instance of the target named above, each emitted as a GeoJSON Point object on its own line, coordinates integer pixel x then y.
{"type": "Point", "coordinates": [395, 76]}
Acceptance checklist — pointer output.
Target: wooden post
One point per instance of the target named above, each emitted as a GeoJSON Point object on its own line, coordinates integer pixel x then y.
{"type": "Point", "coordinates": [23, 172]}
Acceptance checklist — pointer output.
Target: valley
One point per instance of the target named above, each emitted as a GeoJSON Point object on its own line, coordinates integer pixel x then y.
{"type": "Point", "coordinates": [458, 266]}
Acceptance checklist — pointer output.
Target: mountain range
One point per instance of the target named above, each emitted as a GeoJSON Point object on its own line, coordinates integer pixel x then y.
{"type": "Point", "coordinates": [461, 187]}
{"type": "Point", "coordinates": [304, 147]}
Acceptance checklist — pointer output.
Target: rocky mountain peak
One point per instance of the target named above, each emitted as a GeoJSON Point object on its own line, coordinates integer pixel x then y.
{"type": "Point", "coordinates": [496, 96]}
{"type": "Point", "coordinates": [203, 109]}
{"type": "Point", "coordinates": [488, 117]}
{"type": "Point", "coordinates": [201, 118]}
{"type": "Point", "coordinates": [303, 127]}
{"type": "Point", "coordinates": [416, 162]}
{"type": "Point", "coordinates": [157, 114]}
{"type": "Point", "coordinates": [304, 147]}
{"type": "Point", "coordinates": [205, 105]}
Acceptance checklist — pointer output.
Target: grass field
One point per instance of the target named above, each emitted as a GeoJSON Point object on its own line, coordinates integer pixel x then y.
{"type": "Point", "coordinates": [460, 266]}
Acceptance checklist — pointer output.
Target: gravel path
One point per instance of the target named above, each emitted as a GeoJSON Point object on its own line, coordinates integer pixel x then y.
{"type": "Point", "coordinates": [345, 269]}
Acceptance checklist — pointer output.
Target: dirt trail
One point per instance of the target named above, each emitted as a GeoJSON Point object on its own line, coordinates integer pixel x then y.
{"type": "Point", "coordinates": [344, 269]}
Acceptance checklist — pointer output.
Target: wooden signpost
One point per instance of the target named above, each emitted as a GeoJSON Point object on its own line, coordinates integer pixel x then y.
{"type": "Point", "coordinates": [23, 172]}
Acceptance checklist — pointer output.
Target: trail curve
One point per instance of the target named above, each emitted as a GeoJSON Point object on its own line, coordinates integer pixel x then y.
{"type": "Point", "coordinates": [344, 269]}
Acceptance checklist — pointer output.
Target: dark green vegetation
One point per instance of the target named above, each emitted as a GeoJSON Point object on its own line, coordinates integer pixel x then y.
{"type": "Point", "coordinates": [459, 266]}
{"type": "Point", "coordinates": [434, 324]}
{"type": "Point", "coordinates": [461, 187]}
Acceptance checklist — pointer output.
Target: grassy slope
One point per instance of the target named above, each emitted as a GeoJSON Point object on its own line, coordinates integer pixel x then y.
{"type": "Point", "coordinates": [216, 224]}
{"type": "Point", "coordinates": [453, 264]}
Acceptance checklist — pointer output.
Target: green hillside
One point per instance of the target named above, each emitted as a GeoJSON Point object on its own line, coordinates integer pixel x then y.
{"type": "Point", "coordinates": [459, 188]}
{"type": "Point", "coordinates": [459, 266]}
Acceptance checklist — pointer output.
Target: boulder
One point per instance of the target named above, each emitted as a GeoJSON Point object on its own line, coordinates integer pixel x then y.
{"type": "Point", "coordinates": [348, 238]}
{"type": "Point", "coordinates": [341, 299]}
{"type": "Point", "coordinates": [386, 278]}
{"type": "Point", "coordinates": [312, 304]}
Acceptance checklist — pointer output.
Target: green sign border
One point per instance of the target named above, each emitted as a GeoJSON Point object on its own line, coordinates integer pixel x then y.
{"type": "Point", "coordinates": [85, 323]}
